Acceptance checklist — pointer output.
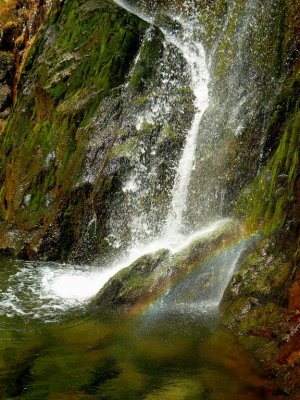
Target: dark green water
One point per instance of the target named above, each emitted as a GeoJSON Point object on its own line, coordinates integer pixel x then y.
{"type": "Point", "coordinates": [157, 356]}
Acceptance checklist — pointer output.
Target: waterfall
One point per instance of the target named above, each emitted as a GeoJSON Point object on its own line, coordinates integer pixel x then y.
{"type": "Point", "coordinates": [194, 54]}
{"type": "Point", "coordinates": [149, 226]}
{"type": "Point", "coordinates": [173, 231]}
{"type": "Point", "coordinates": [181, 40]}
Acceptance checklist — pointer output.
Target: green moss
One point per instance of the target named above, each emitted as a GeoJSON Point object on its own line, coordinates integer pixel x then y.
{"type": "Point", "coordinates": [168, 133]}
{"type": "Point", "coordinates": [126, 149]}
{"type": "Point", "coordinates": [255, 344]}
{"type": "Point", "coordinates": [211, 17]}
{"type": "Point", "coordinates": [101, 43]}
{"type": "Point", "coordinates": [147, 129]}
{"type": "Point", "coordinates": [268, 201]}
{"type": "Point", "coordinates": [262, 278]}
{"type": "Point", "coordinates": [140, 101]}
{"type": "Point", "coordinates": [144, 70]}
{"type": "Point", "coordinates": [260, 317]}
{"type": "Point", "coordinates": [92, 47]}
{"type": "Point", "coordinates": [37, 201]}
{"type": "Point", "coordinates": [57, 92]}
{"type": "Point", "coordinates": [228, 43]}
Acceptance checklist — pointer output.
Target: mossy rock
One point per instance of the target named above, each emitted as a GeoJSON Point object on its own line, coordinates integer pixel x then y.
{"type": "Point", "coordinates": [65, 79]}
{"type": "Point", "coordinates": [134, 283]}
{"type": "Point", "coordinates": [270, 200]}
{"type": "Point", "coordinates": [153, 274]}
{"type": "Point", "coordinates": [261, 317]}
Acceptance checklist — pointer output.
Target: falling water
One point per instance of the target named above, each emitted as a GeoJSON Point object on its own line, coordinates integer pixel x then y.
{"type": "Point", "coordinates": [181, 44]}
{"type": "Point", "coordinates": [173, 232]}
{"type": "Point", "coordinates": [194, 54]}
{"type": "Point", "coordinates": [160, 355]}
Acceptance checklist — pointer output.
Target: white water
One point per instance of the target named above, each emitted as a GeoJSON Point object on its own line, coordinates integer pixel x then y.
{"type": "Point", "coordinates": [181, 44]}
{"type": "Point", "coordinates": [194, 54]}
{"type": "Point", "coordinates": [134, 10]}
{"type": "Point", "coordinates": [43, 290]}
{"type": "Point", "coordinates": [202, 292]}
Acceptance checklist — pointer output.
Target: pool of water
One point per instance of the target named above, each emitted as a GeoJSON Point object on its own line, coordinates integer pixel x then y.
{"type": "Point", "coordinates": [68, 351]}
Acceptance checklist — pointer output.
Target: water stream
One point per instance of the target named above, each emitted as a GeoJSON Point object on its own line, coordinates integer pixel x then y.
{"type": "Point", "coordinates": [173, 230]}
{"type": "Point", "coordinates": [194, 54]}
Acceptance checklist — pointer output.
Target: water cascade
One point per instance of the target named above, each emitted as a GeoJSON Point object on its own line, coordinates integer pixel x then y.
{"type": "Point", "coordinates": [182, 40]}
{"type": "Point", "coordinates": [193, 53]}
{"type": "Point", "coordinates": [172, 230]}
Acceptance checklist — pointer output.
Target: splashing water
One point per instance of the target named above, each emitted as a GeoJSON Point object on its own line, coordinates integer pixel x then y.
{"type": "Point", "coordinates": [44, 290]}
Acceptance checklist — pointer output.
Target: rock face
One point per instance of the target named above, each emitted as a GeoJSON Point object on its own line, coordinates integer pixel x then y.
{"type": "Point", "coordinates": [133, 285]}
{"type": "Point", "coordinates": [262, 302]}
{"type": "Point", "coordinates": [74, 120]}
{"type": "Point", "coordinates": [262, 306]}
{"type": "Point", "coordinates": [19, 23]}
{"type": "Point", "coordinates": [81, 55]}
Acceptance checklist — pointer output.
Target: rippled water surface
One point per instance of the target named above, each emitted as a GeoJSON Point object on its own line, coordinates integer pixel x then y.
{"type": "Point", "coordinates": [53, 348]}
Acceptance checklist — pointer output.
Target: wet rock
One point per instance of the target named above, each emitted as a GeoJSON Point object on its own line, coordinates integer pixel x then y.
{"type": "Point", "coordinates": [7, 252]}
{"type": "Point", "coordinates": [5, 114]}
{"type": "Point", "coordinates": [5, 96]}
{"type": "Point", "coordinates": [19, 22]}
{"type": "Point", "coordinates": [135, 283]}
{"type": "Point", "coordinates": [6, 66]}
{"type": "Point", "coordinates": [59, 110]}
{"type": "Point", "coordinates": [27, 253]}
{"type": "Point", "coordinates": [294, 295]}
{"type": "Point", "coordinates": [8, 37]}
{"type": "Point", "coordinates": [154, 274]}
{"type": "Point", "coordinates": [261, 305]}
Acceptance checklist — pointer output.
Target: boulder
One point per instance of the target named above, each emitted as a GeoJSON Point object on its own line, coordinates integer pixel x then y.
{"type": "Point", "coordinates": [154, 274]}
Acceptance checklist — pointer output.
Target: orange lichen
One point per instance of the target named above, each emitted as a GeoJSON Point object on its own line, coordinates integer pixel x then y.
{"type": "Point", "coordinates": [7, 12]}
{"type": "Point", "coordinates": [290, 351]}
{"type": "Point", "coordinates": [294, 299]}
{"type": "Point", "coordinates": [293, 358]}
